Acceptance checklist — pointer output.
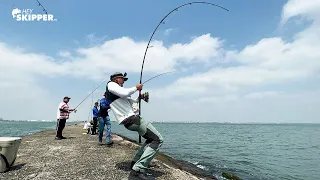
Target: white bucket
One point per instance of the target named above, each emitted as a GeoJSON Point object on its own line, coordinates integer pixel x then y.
{"type": "Point", "coordinates": [8, 148]}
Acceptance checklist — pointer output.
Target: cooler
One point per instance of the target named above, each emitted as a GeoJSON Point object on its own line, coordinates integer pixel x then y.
{"type": "Point", "coordinates": [8, 151]}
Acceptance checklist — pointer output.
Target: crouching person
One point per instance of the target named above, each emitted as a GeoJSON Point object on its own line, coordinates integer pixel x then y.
{"type": "Point", "coordinates": [122, 106]}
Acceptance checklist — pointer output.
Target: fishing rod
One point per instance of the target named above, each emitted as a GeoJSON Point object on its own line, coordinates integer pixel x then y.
{"type": "Point", "coordinates": [38, 2]}
{"type": "Point", "coordinates": [154, 31]}
{"type": "Point", "coordinates": [90, 94]}
{"type": "Point", "coordinates": [43, 9]}
{"type": "Point", "coordinates": [90, 111]}
{"type": "Point", "coordinates": [106, 80]}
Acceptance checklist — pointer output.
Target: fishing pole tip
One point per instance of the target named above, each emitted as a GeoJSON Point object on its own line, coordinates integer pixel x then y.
{"type": "Point", "coordinates": [209, 3]}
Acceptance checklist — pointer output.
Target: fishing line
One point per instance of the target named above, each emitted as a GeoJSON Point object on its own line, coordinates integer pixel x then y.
{"type": "Point", "coordinates": [154, 31]}
{"type": "Point", "coordinates": [158, 76]}
{"type": "Point", "coordinates": [106, 80]}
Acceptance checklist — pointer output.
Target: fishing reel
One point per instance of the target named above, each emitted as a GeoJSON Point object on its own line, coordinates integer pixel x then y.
{"type": "Point", "coordinates": [145, 97]}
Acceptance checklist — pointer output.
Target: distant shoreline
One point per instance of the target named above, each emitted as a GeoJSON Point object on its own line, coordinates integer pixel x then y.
{"type": "Point", "coordinates": [176, 122]}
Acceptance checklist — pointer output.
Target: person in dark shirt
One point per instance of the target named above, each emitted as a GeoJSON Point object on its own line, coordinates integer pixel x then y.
{"type": "Point", "coordinates": [95, 113]}
{"type": "Point", "coordinates": [104, 119]}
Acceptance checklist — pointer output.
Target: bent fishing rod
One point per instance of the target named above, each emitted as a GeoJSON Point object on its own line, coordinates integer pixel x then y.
{"type": "Point", "coordinates": [106, 80]}
{"type": "Point", "coordinates": [154, 31]}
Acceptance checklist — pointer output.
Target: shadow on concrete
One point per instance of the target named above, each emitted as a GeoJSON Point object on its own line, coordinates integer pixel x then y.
{"type": "Point", "coordinates": [70, 137]}
{"type": "Point", "coordinates": [133, 176]}
{"type": "Point", "coordinates": [16, 167]}
{"type": "Point", "coordinates": [125, 166]}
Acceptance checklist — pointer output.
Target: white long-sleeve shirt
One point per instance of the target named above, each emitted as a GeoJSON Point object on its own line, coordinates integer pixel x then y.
{"type": "Point", "coordinates": [121, 103]}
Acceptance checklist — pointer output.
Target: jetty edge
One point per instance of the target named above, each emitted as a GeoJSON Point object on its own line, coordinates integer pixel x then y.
{"type": "Point", "coordinates": [80, 157]}
{"type": "Point", "coordinates": [184, 165]}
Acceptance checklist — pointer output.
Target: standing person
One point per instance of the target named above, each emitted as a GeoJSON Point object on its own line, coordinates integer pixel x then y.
{"type": "Point", "coordinates": [95, 113]}
{"type": "Point", "coordinates": [62, 116]}
{"type": "Point", "coordinates": [104, 120]}
{"type": "Point", "coordinates": [121, 105]}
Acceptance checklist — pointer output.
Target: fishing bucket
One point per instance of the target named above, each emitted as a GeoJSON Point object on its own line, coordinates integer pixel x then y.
{"type": "Point", "coordinates": [8, 152]}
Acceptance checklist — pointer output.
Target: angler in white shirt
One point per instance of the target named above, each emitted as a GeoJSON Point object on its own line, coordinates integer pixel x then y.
{"type": "Point", "coordinates": [122, 107]}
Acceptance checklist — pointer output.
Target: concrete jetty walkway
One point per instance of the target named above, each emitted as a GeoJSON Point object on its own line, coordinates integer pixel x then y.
{"type": "Point", "coordinates": [80, 157]}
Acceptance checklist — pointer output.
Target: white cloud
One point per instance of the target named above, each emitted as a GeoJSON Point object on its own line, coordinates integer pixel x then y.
{"type": "Point", "coordinates": [168, 31]}
{"type": "Point", "coordinates": [24, 100]}
{"type": "Point", "coordinates": [21, 70]}
{"type": "Point", "coordinates": [307, 9]}
{"type": "Point", "coordinates": [218, 99]}
{"type": "Point", "coordinates": [261, 95]}
{"type": "Point", "coordinates": [65, 54]}
{"type": "Point", "coordinates": [295, 107]}
{"type": "Point", "coordinates": [271, 61]}
{"type": "Point", "coordinates": [235, 93]}
{"type": "Point", "coordinates": [94, 41]}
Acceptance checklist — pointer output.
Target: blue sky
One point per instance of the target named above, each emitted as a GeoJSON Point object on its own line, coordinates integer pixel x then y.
{"type": "Point", "coordinates": [246, 22]}
{"type": "Point", "coordinates": [245, 25]}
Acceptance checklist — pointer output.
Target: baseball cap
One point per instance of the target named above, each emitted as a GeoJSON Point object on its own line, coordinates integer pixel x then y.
{"type": "Point", "coordinates": [66, 97]}
{"type": "Point", "coordinates": [119, 74]}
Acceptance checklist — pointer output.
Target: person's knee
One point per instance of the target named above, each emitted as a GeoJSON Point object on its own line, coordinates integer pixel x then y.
{"type": "Point", "coordinates": [160, 140]}
{"type": "Point", "coordinates": [108, 123]}
{"type": "Point", "coordinates": [156, 143]}
{"type": "Point", "coordinates": [101, 121]}
{"type": "Point", "coordinates": [154, 140]}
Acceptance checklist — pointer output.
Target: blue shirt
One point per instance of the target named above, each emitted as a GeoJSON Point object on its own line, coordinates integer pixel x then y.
{"type": "Point", "coordinates": [95, 112]}
{"type": "Point", "coordinates": [104, 106]}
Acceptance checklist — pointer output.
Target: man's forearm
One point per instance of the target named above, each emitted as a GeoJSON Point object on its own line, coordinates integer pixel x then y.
{"type": "Point", "coordinates": [120, 91]}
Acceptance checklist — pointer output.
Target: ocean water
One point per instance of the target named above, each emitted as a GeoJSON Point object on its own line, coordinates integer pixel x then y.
{"type": "Point", "coordinates": [251, 151]}
{"type": "Point", "coordinates": [23, 128]}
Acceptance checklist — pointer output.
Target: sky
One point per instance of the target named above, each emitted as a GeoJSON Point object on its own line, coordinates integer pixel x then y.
{"type": "Point", "coordinates": [258, 62]}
